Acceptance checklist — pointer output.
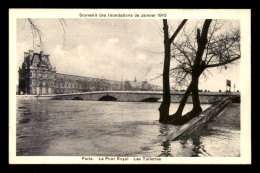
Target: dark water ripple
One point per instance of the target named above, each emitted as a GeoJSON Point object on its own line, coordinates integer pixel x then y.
{"type": "Point", "coordinates": [76, 128]}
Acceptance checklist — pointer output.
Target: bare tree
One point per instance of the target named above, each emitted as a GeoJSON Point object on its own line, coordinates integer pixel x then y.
{"type": "Point", "coordinates": [165, 105]}
{"type": "Point", "coordinates": [37, 34]}
{"type": "Point", "coordinates": [212, 47]}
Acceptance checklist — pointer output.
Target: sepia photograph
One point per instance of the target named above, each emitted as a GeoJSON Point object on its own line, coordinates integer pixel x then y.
{"type": "Point", "coordinates": [129, 86]}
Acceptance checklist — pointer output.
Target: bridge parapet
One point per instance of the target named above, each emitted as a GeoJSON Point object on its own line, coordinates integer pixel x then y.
{"type": "Point", "coordinates": [152, 92]}
{"type": "Point", "coordinates": [137, 96]}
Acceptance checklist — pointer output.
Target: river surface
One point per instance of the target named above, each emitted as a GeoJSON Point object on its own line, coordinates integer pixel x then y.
{"type": "Point", "coordinates": [99, 128]}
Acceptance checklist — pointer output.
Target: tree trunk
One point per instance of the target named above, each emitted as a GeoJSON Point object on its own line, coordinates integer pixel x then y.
{"type": "Point", "coordinates": [177, 118]}
{"type": "Point", "coordinates": [198, 68]}
{"type": "Point", "coordinates": [195, 96]}
{"type": "Point", "coordinates": [183, 101]}
{"type": "Point", "coordinates": [165, 105]}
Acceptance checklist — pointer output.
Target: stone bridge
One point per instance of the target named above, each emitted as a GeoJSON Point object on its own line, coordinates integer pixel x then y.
{"type": "Point", "coordinates": [137, 96]}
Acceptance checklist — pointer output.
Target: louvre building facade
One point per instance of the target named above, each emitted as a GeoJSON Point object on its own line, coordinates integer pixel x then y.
{"type": "Point", "coordinates": [38, 77]}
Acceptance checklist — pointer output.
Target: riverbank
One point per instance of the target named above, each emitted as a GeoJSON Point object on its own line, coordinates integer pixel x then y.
{"type": "Point", "coordinates": [229, 117]}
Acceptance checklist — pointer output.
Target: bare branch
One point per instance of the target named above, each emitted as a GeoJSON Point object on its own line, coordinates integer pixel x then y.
{"type": "Point", "coordinates": [36, 32]}
{"type": "Point", "coordinates": [189, 42]}
{"type": "Point", "coordinates": [185, 55]}
{"type": "Point", "coordinates": [178, 30]}
{"type": "Point", "coordinates": [63, 25]}
{"type": "Point", "coordinates": [223, 63]}
{"type": "Point", "coordinates": [156, 77]}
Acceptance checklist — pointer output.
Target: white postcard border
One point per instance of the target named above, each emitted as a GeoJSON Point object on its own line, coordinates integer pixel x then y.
{"type": "Point", "coordinates": [244, 15]}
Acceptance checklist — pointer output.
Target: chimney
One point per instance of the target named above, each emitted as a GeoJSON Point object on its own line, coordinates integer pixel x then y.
{"type": "Point", "coordinates": [25, 55]}
{"type": "Point", "coordinates": [41, 52]}
{"type": "Point", "coordinates": [30, 57]}
{"type": "Point", "coordinates": [31, 52]}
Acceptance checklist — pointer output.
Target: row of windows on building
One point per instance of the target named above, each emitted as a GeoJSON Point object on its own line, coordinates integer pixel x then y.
{"type": "Point", "coordinates": [50, 75]}
{"type": "Point", "coordinates": [42, 74]}
{"type": "Point", "coordinates": [45, 90]}
{"type": "Point", "coordinates": [62, 91]}
{"type": "Point", "coordinates": [45, 83]}
{"type": "Point", "coordinates": [37, 82]}
{"type": "Point", "coordinates": [99, 86]}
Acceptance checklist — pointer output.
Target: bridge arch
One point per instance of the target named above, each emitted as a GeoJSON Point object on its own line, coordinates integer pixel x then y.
{"type": "Point", "coordinates": [77, 98]}
{"type": "Point", "coordinates": [107, 98]}
{"type": "Point", "coordinates": [151, 99]}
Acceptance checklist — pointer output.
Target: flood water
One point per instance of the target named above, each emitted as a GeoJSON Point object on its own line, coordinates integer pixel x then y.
{"type": "Point", "coordinates": [99, 128]}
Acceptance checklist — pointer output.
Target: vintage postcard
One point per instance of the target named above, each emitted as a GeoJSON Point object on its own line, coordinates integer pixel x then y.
{"type": "Point", "coordinates": [129, 86]}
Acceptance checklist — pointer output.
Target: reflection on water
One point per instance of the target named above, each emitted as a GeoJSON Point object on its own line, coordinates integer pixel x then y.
{"type": "Point", "coordinates": [89, 128]}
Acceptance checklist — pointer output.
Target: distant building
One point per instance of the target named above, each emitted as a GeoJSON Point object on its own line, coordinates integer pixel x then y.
{"type": "Point", "coordinates": [141, 86]}
{"type": "Point", "coordinates": [38, 77]}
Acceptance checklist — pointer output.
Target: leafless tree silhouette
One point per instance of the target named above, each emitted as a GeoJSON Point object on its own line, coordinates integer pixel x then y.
{"type": "Point", "coordinates": [193, 55]}
{"type": "Point", "coordinates": [37, 34]}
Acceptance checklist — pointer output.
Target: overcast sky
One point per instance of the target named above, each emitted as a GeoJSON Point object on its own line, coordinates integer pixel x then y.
{"type": "Point", "coordinates": [113, 49]}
